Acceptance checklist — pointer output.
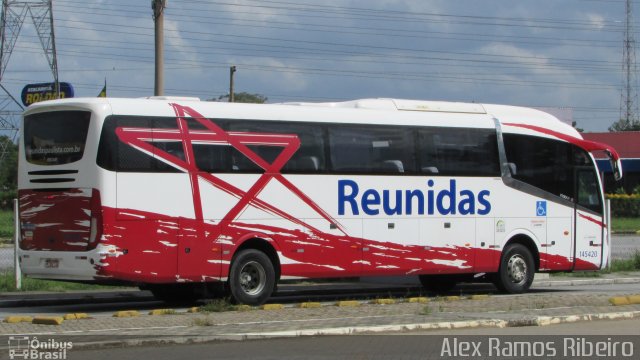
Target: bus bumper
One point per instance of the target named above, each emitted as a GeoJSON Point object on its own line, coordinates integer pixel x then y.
{"type": "Point", "coordinates": [59, 265]}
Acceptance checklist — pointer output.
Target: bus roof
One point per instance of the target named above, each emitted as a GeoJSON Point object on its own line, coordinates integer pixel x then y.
{"type": "Point", "coordinates": [505, 114]}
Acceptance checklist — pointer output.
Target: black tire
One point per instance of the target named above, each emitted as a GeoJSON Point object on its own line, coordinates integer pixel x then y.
{"type": "Point", "coordinates": [174, 293]}
{"type": "Point", "coordinates": [438, 284]}
{"type": "Point", "coordinates": [252, 278]}
{"type": "Point", "coordinates": [516, 270]}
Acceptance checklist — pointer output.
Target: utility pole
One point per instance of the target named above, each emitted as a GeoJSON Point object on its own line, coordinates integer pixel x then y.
{"type": "Point", "coordinates": [158, 7]}
{"type": "Point", "coordinates": [232, 70]}
{"type": "Point", "coordinates": [629, 96]}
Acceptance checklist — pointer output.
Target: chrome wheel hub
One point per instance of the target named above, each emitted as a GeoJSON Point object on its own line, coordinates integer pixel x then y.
{"type": "Point", "coordinates": [252, 278]}
{"type": "Point", "coordinates": [517, 269]}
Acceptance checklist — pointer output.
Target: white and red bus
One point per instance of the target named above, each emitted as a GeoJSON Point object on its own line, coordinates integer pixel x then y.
{"type": "Point", "coordinates": [178, 195]}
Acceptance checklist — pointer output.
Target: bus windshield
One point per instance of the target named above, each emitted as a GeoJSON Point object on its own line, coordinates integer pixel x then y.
{"type": "Point", "coordinates": [55, 138]}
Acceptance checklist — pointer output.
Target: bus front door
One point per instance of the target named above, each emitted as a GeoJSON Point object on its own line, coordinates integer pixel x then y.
{"type": "Point", "coordinates": [589, 221]}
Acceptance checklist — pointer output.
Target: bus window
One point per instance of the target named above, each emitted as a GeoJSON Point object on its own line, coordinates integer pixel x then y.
{"type": "Point", "coordinates": [361, 149]}
{"type": "Point", "coordinates": [116, 155]}
{"type": "Point", "coordinates": [543, 163]}
{"type": "Point", "coordinates": [212, 158]}
{"type": "Point", "coordinates": [587, 190]}
{"type": "Point", "coordinates": [55, 138]}
{"type": "Point", "coordinates": [309, 158]}
{"type": "Point", "coordinates": [458, 151]}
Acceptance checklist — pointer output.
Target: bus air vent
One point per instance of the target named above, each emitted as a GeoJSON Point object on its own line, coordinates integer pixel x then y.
{"type": "Point", "coordinates": [51, 180]}
{"type": "Point", "coordinates": [53, 172]}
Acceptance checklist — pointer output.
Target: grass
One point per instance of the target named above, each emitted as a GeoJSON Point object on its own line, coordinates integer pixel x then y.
{"type": "Point", "coordinates": [8, 284]}
{"type": "Point", "coordinates": [203, 322]}
{"type": "Point", "coordinates": [217, 305]}
{"type": "Point", "coordinates": [630, 264]}
{"type": "Point", "coordinates": [626, 225]}
{"type": "Point", "coordinates": [6, 225]}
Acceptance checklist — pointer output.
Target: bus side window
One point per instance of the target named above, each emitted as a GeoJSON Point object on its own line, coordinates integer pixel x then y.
{"type": "Point", "coordinates": [309, 158]}
{"type": "Point", "coordinates": [212, 158]}
{"type": "Point", "coordinates": [375, 149]}
{"type": "Point", "coordinates": [458, 151]}
{"type": "Point", "coordinates": [116, 155]}
{"type": "Point", "coordinates": [543, 163]}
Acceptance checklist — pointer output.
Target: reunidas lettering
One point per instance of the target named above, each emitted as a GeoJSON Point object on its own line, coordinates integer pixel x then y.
{"type": "Point", "coordinates": [407, 202]}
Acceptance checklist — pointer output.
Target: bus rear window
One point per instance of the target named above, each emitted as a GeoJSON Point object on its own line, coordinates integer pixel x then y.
{"type": "Point", "coordinates": [55, 138]}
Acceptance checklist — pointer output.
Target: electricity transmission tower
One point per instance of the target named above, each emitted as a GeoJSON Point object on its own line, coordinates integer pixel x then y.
{"type": "Point", "coordinates": [629, 95]}
{"type": "Point", "coordinates": [12, 18]}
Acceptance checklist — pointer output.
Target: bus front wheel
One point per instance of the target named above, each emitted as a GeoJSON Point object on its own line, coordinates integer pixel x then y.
{"type": "Point", "coordinates": [516, 270]}
{"type": "Point", "coordinates": [251, 277]}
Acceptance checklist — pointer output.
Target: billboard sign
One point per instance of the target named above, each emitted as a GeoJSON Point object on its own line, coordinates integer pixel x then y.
{"type": "Point", "coordinates": [33, 93]}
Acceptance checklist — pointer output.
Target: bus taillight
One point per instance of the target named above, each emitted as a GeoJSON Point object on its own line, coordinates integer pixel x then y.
{"type": "Point", "coordinates": [96, 220]}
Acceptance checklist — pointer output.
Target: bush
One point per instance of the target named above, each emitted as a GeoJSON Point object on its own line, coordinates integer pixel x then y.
{"type": "Point", "coordinates": [625, 205]}
{"type": "Point", "coordinates": [6, 198]}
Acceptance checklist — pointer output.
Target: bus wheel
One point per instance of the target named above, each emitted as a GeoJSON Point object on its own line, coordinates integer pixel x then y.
{"type": "Point", "coordinates": [516, 270]}
{"type": "Point", "coordinates": [438, 283]}
{"type": "Point", "coordinates": [251, 277]}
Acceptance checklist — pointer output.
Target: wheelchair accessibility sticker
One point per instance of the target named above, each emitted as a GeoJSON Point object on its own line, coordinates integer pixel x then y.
{"type": "Point", "coordinates": [541, 208]}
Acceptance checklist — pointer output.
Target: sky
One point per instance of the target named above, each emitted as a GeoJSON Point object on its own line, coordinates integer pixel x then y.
{"type": "Point", "coordinates": [542, 53]}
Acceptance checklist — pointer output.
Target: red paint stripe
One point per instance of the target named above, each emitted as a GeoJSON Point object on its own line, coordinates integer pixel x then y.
{"type": "Point", "coordinates": [595, 221]}
{"type": "Point", "coordinates": [584, 144]}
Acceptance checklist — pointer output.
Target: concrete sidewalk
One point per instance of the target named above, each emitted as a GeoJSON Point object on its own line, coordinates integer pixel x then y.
{"type": "Point", "coordinates": [447, 312]}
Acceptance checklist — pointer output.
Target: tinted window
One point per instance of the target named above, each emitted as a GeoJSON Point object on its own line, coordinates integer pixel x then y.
{"type": "Point", "coordinates": [458, 152]}
{"type": "Point", "coordinates": [116, 155]}
{"type": "Point", "coordinates": [588, 193]}
{"type": "Point", "coordinates": [210, 156]}
{"type": "Point", "coordinates": [363, 149]}
{"type": "Point", "coordinates": [55, 138]}
{"type": "Point", "coordinates": [543, 163]}
{"type": "Point", "coordinates": [310, 157]}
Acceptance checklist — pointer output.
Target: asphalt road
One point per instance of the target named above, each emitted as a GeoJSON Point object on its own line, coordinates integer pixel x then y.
{"type": "Point", "coordinates": [413, 345]}
{"type": "Point", "coordinates": [623, 247]}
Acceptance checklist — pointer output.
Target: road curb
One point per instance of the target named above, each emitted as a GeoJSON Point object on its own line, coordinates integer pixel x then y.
{"type": "Point", "coordinates": [578, 282]}
{"type": "Point", "coordinates": [361, 330]}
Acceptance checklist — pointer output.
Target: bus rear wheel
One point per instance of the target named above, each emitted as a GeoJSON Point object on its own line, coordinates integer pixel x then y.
{"type": "Point", "coordinates": [516, 270]}
{"type": "Point", "coordinates": [251, 277]}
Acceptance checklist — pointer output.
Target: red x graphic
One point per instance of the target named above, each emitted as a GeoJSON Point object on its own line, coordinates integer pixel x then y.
{"type": "Point", "coordinates": [142, 139]}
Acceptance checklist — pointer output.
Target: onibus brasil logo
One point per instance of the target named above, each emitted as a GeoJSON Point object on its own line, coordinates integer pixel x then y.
{"type": "Point", "coordinates": [30, 348]}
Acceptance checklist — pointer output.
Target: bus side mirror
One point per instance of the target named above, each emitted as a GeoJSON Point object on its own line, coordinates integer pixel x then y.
{"type": "Point", "coordinates": [616, 166]}
{"type": "Point", "coordinates": [513, 169]}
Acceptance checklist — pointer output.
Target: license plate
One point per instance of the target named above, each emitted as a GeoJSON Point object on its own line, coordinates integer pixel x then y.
{"type": "Point", "coordinates": [51, 263]}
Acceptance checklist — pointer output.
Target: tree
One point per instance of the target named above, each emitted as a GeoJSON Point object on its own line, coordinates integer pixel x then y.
{"type": "Point", "coordinates": [244, 97]}
{"type": "Point", "coordinates": [8, 172]}
{"type": "Point", "coordinates": [625, 125]}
